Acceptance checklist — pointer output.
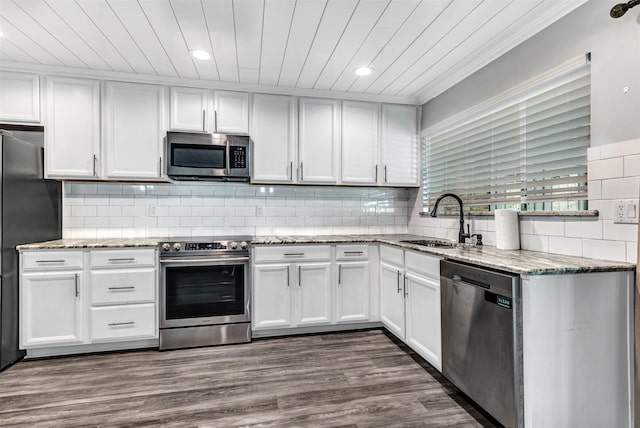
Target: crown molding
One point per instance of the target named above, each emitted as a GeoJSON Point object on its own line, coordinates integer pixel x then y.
{"type": "Point", "coordinates": [553, 13]}
{"type": "Point", "coordinates": [200, 83]}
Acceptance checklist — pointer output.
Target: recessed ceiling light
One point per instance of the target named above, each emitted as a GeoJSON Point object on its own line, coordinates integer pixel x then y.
{"type": "Point", "coordinates": [200, 54]}
{"type": "Point", "coordinates": [364, 71]}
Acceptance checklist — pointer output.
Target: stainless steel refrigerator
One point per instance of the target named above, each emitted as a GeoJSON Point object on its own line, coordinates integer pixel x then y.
{"type": "Point", "coordinates": [31, 211]}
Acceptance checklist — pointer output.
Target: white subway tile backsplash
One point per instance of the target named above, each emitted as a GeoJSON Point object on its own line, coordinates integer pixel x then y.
{"type": "Point", "coordinates": [619, 232]}
{"type": "Point", "coordinates": [120, 222]}
{"type": "Point", "coordinates": [632, 252]}
{"type": "Point", "coordinates": [134, 211]}
{"type": "Point", "coordinates": [568, 246]}
{"type": "Point", "coordinates": [594, 189]}
{"type": "Point", "coordinates": [583, 228]}
{"type": "Point", "coordinates": [623, 148]}
{"type": "Point", "coordinates": [534, 242]}
{"type": "Point", "coordinates": [606, 168]}
{"type": "Point", "coordinates": [191, 221]}
{"type": "Point", "coordinates": [606, 250]}
{"type": "Point", "coordinates": [120, 200]}
{"type": "Point", "coordinates": [621, 188]}
{"type": "Point", "coordinates": [632, 165]}
{"type": "Point", "coordinates": [202, 211]}
{"type": "Point", "coordinates": [83, 211]}
{"type": "Point", "coordinates": [180, 211]}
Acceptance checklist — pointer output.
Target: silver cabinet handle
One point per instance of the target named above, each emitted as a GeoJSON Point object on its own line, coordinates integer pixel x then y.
{"type": "Point", "coordinates": [398, 281]}
{"type": "Point", "coordinates": [385, 173]}
{"type": "Point", "coordinates": [376, 180]}
{"type": "Point", "coordinates": [353, 253]}
{"type": "Point", "coordinates": [77, 289]}
{"type": "Point", "coordinates": [95, 160]}
{"type": "Point", "coordinates": [114, 324]}
{"type": "Point", "coordinates": [50, 261]}
{"type": "Point", "coordinates": [293, 254]}
{"type": "Point", "coordinates": [406, 293]}
{"type": "Point", "coordinates": [299, 276]}
{"type": "Point", "coordinates": [123, 260]}
{"type": "Point", "coordinates": [160, 168]}
{"type": "Point", "coordinates": [339, 274]}
{"type": "Point", "coordinates": [122, 288]}
{"type": "Point", "coordinates": [204, 115]}
{"type": "Point", "coordinates": [288, 280]}
{"type": "Point", "coordinates": [215, 120]}
{"type": "Point", "coordinates": [301, 173]}
{"type": "Point", "coordinates": [291, 171]}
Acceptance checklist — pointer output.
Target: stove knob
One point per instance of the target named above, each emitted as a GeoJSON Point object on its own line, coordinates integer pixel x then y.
{"type": "Point", "coordinates": [177, 246]}
{"type": "Point", "coordinates": [233, 245]}
{"type": "Point", "coordinates": [244, 245]}
{"type": "Point", "coordinates": [166, 247]}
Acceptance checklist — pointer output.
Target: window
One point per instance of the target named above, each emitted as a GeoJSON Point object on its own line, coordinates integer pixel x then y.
{"type": "Point", "coordinates": [525, 150]}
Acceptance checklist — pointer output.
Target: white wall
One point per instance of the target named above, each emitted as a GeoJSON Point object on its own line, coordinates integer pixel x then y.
{"type": "Point", "coordinates": [203, 209]}
{"type": "Point", "coordinates": [614, 157]}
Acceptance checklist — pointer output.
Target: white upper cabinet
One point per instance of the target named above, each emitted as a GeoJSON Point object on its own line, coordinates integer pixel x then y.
{"type": "Point", "coordinates": [400, 154]}
{"type": "Point", "coordinates": [231, 112]}
{"type": "Point", "coordinates": [135, 126]}
{"type": "Point", "coordinates": [360, 137]}
{"type": "Point", "coordinates": [19, 97]}
{"type": "Point", "coordinates": [274, 138]}
{"type": "Point", "coordinates": [319, 143]}
{"type": "Point", "coordinates": [72, 137]}
{"type": "Point", "coordinates": [189, 109]}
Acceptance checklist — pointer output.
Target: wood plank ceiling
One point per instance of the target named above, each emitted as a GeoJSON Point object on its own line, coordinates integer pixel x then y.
{"type": "Point", "coordinates": [417, 48]}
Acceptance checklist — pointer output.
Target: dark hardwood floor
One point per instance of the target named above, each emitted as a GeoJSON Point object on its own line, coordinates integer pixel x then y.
{"type": "Point", "coordinates": [356, 379]}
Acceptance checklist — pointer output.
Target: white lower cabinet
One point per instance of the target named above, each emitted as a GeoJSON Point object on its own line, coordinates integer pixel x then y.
{"type": "Point", "coordinates": [352, 292]}
{"type": "Point", "coordinates": [271, 298]}
{"type": "Point", "coordinates": [51, 309]}
{"type": "Point", "coordinates": [392, 299]}
{"type": "Point", "coordinates": [410, 300]}
{"type": "Point", "coordinates": [82, 297]}
{"type": "Point", "coordinates": [313, 294]}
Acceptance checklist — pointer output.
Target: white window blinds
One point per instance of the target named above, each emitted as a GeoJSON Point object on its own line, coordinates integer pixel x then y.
{"type": "Point", "coordinates": [529, 149]}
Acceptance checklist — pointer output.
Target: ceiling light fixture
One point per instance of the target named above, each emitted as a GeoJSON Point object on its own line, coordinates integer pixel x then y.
{"type": "Point", "coordinates": [200, 54]}
{"type": "Point", "coordinates": [364, 71]}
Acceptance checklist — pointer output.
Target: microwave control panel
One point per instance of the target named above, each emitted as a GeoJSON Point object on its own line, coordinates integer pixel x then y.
{"type": "Point", "coordinates": [238, 157]}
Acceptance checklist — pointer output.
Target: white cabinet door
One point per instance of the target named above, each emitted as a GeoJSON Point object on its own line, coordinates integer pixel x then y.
{"type": "Point", "coordinates": [135, 126]}
{"type": "Point", "coordinates": [274, 138]}
{"type": "Point", "coordinates": [188, 109]}
{"type": "Point", "coordinates": [72, 140]}
{"type": "Point", "coordinates": [19, 97]}
{"type": "Point", "coordinates": [231, 112]}
{"type": "Point", "coordinates": [314, 294]}
{"type": "Point", "coordinates": [392, 299]}
{"type": "Point", "coordinates": [423, 333]}
{"type": "Point", "coordinates": [319, 143]}
{"type": "Point", "coordinates": [50, 309]}
{"type": "Point", "coordinates": [400, 145]}
{"type": "Point", "coordinates": [360, 136]}
{"type": "Point", "coordinates": [352, 294]}
{"type": "Point", "coordinates": [271, 297]}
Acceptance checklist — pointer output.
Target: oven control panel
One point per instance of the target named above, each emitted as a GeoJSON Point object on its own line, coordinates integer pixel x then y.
{"type": "Point", "coordinates": [241, 244]}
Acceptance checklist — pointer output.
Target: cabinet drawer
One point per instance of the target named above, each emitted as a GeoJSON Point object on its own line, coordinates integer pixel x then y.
{"type": "Point", "coordinates": [120, 258]}
{"type": "Point", "coordinates": [423, 264]}
{"type": "Point", "coordinates": [123, 322]}
{"type": "Point", "coordinates": [352, 252]}
{"type": "Point", "coordinates": [286, 253]}
{"type": "Point", "coordinates": [123, 286]}
{"type": "Point", "coordinates": [392, 255]}
{"type": "Point", "coordinates": [51, 260]}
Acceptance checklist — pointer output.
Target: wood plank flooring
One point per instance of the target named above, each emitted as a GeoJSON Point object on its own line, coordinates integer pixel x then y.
{"type": "Point", "coordinates": [355, 379]}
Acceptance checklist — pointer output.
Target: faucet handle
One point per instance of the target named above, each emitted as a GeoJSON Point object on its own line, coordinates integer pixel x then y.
{"type": "Point", "coordinates": [478, 238]}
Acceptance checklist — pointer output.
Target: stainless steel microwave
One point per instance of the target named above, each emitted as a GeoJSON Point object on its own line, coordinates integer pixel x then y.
{"type": "Point", "coordinates": [221, 157]}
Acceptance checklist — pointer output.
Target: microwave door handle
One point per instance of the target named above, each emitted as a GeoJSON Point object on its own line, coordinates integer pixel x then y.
{"type": "Point", "coordinates": [228, 158]}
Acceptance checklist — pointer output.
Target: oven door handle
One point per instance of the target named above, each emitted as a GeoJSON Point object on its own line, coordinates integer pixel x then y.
{"type": "Point", "coordinates": [201, 261]}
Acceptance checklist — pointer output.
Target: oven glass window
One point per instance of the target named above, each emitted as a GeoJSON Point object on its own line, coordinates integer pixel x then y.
{"type": "Point", "coordinates": [204, 291]}
{"type": "Point", "coordinates": [198, 156]}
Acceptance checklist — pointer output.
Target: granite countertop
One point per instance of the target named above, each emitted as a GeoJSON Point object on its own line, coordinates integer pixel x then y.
{"type": "Point", "coordinates": [516, 261]}
{"type": "Point", "coordinates": [60, 244]}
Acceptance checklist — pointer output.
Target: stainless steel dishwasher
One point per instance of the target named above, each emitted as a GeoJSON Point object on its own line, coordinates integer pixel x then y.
{"type": "Point", "coordinates": [482, 338]}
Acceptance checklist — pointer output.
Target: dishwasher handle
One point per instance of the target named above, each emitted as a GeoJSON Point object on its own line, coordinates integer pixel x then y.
{"type": "Point", "coordinates": [458, 278]}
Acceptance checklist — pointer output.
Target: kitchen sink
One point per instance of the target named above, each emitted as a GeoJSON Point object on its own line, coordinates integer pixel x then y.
{"type": "Point", "coordinates": [431, 243]}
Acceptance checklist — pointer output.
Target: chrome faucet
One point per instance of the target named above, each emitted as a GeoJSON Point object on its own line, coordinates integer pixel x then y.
{"type": "Point", "coordinates": [434, 213]}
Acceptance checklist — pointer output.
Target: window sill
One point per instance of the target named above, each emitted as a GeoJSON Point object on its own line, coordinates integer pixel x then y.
{"type": "Point", "coordinates": [581, 213]}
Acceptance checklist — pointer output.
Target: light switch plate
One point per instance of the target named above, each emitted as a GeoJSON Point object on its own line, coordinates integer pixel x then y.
{"type": "Point", "coordinates": [625, 211]}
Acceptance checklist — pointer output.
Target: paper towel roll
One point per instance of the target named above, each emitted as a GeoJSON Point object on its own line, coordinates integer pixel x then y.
{"type": "Point", "coordinates": [507, 231]}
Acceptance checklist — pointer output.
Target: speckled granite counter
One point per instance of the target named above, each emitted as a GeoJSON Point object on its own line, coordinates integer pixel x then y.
{"type": "Point", "coordinates": [516, 261]}
{"type": "Point", "coordinates": [91, 243]}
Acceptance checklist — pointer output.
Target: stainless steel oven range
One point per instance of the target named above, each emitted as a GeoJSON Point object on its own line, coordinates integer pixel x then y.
{"type": "Point", "coordinates": [204, 292]}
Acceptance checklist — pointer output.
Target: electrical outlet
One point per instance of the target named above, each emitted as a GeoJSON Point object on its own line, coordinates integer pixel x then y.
{"type": "Point", "coordinates": [625, 211]}
{"type": "Point", "coordinates": [259, 212]}
{"type": "Point", "coordinates": [153, 211]}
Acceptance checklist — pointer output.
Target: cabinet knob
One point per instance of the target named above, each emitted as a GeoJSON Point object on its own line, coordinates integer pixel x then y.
{"type": "Point", "coordinates": [166, 247]}
{"type": "Point", "coordinates": [177, 246]}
